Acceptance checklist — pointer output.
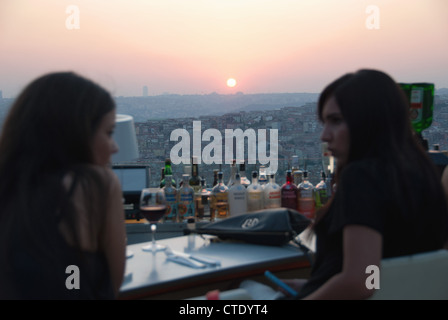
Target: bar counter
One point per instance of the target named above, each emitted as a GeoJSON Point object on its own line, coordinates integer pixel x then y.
{"type": "Point", "coordinates": [150, 275]}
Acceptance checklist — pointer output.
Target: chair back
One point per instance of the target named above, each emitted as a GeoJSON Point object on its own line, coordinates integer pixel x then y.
{"type": "Point", "coordinates": [422, 276]}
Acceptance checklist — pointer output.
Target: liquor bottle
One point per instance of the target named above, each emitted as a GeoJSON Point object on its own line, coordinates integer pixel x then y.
{"type": "Point", "coordinates": [262, 179]}
{"type": "Point", "coordinates": [233, 171]}
{"type": "Point", "coordinates": [212, 199]}
{"type": "Point", "coordinates": [305, 197]}
{"type": "Point", "coordinates": [244, 181]}
{"type": "Point", "coordinates": [421, 104]}
{"type": "Point", "coordinates": [289, 192]}
{"type": "Point", "coordinates": [237, 198]}
{"type": "Point", "coordinates": [195, 180]}
{"type": "Point", "coordinates": [295, 171]}
{"type": "Point", "coordinates": [171, 201]}
{"type": "Point", "coordinates": [203, 208]}
{"type": "Point", "coordinates": [272, 194]}
{"type": "Point", "coordinates": [186, 199]}
{"type": "Point", "coordinates": [320, 194]}
{"type": "Point", "coordinates": [254, 194]}
{"type": "Point", "coordinates": [187, 170]}
{"type": "Point", "coordinates": [198, 203]}
{"type": "Point", "coordinates": [168, 172]}
{"type": "Point", "coordinates": [220, 198]}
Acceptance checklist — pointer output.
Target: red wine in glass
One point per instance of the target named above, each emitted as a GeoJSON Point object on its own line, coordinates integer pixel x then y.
{"type": "Point", "coordinates": [153, 213]}
{"type": "Point", "coordinates": [153, 208]}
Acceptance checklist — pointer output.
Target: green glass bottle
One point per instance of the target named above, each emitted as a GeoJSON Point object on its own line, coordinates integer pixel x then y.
{"type": "Point", "coordinates": [168, 172]}
{"type": "Point", "coordinates": [421, 104]}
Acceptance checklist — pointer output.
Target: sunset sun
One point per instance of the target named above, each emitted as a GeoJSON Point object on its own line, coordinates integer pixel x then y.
{"type": "Point", "coordinates": [231, 82]}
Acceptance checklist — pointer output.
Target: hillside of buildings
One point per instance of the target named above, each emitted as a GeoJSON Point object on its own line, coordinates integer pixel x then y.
{"type": "Point", "coordinates": [298, 134]}
{"type": "Point", "coordinates": [293, 115]}
{"type": "Point", "coordinates": [184, 106]}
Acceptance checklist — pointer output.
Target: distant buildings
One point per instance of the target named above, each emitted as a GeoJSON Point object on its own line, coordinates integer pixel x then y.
{"type": "Point", "coordinates": [1, 94]}
{"type": "Point", "coordinates": [298, 134]}
{"type": "Point", "coordinates": [145, 91]}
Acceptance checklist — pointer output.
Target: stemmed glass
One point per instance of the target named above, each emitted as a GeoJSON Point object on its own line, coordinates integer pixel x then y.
{"type": "Point", "coordinates": [153, 208]}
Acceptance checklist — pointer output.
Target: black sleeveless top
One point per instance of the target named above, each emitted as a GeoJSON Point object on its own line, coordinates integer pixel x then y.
{"type": "Point", "coordinates": [38, 276]}
{"type": "Point", "coordinates": [364, 197]}
{"type": "Point", "coordinates": [44, 266]}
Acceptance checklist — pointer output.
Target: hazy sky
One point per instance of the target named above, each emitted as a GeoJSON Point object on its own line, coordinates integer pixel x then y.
{"type": "Point", "coordinates": [193, 47]}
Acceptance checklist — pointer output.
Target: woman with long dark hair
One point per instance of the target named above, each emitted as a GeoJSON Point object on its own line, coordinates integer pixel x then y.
{"type": "Point", "coordinates": [62, 233]}
{"type": "Point", "coordinates": [389, 200]}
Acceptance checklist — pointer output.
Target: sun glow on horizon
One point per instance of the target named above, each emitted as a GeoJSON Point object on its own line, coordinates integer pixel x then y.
{"type": "Point", "coordinates": [196, 47]}
{"type": "Point", "coordinates": [231, 82]}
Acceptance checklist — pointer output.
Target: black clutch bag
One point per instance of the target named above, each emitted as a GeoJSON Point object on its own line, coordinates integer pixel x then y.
{"type": "Point", "coordinates": [273, 227]}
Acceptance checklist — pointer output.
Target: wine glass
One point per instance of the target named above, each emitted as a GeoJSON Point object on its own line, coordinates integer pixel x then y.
{"type": "Point", "coordinates": [153, 208]}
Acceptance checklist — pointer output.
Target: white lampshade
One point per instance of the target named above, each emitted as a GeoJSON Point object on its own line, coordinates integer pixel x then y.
{"type": "Point", "coordinates": [125, 138]}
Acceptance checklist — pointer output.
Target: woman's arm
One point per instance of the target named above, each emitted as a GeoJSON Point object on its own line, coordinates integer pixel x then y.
{"type": "Point", "coordinates": [362, 247]}
{"type": "Point", "coordinates": [114, 235]}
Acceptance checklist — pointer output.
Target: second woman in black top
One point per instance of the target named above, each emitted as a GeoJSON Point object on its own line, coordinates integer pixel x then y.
{"type": "Point", "coordinates": [388, 201]}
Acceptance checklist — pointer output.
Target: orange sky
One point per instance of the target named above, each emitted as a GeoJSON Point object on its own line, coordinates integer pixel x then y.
{"type": "Point", "coordinates": [193, 47]}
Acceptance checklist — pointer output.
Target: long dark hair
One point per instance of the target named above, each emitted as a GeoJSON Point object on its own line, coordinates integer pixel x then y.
{"type": "Point", "coordinates": [377, 115]}
{"type": "Point", "coordinates": [47, 134]}
{"type": "Point", "coordinates": [52, 123]}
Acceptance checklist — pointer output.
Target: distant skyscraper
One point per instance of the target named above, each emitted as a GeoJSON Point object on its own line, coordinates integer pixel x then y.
{"type": "Point", "coordinates": [1, 94]}
{"type": "Point", "coordinates": [145, 91]}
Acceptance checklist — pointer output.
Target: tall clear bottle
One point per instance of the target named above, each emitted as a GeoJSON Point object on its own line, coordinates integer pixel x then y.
{"type": "Point", "coordinates": [305, 197]}
{"type": "Point", "coordinates": [195, 179]}
{"type": "Point", "coordinates": [186, 199]}
{"type": "Point", "coordinates": [237, 198]}
{"type": "Point", "coordinates": [321, 192]}
{"type": "Point", "coordinates": [233, 171]}
{"type": "Point", "coordinates": [171, 201]}
{"type": "Point", "coordinates": [203, 208]}
{"type": "Point", "coordinates": [198, 205]}
{"type": "Point", "coordinates": [244, 181]}
{"type": "Point", "coordinates": [297, 174]}
{"type": "Point", "coordinates": [195, 183]}
{"type": "Point", "coordinates": [168, 172]}
{"type": "Point", "coordinates": [220, 198]}
{"type": "Point", "coordinates": [272, 194]}
{"type": "Point", "coordinates": [187, 170]}
{"type": "Point", "coordinates": [254, 194]}
{"type": "Point", "coordinates": [289, 192]}
{"type": "Point", "coordinates": [262, 178]}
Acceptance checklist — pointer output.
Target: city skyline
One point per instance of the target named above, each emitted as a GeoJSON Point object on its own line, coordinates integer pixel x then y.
{"type": "Point", "coordinates": [298, 135]}
{"type": "Point", "coordinates": [194, 47]}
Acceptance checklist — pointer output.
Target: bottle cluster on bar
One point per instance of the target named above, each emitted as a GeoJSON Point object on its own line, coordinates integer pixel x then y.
{"type": "Point", "coordinates": [192, 198]}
